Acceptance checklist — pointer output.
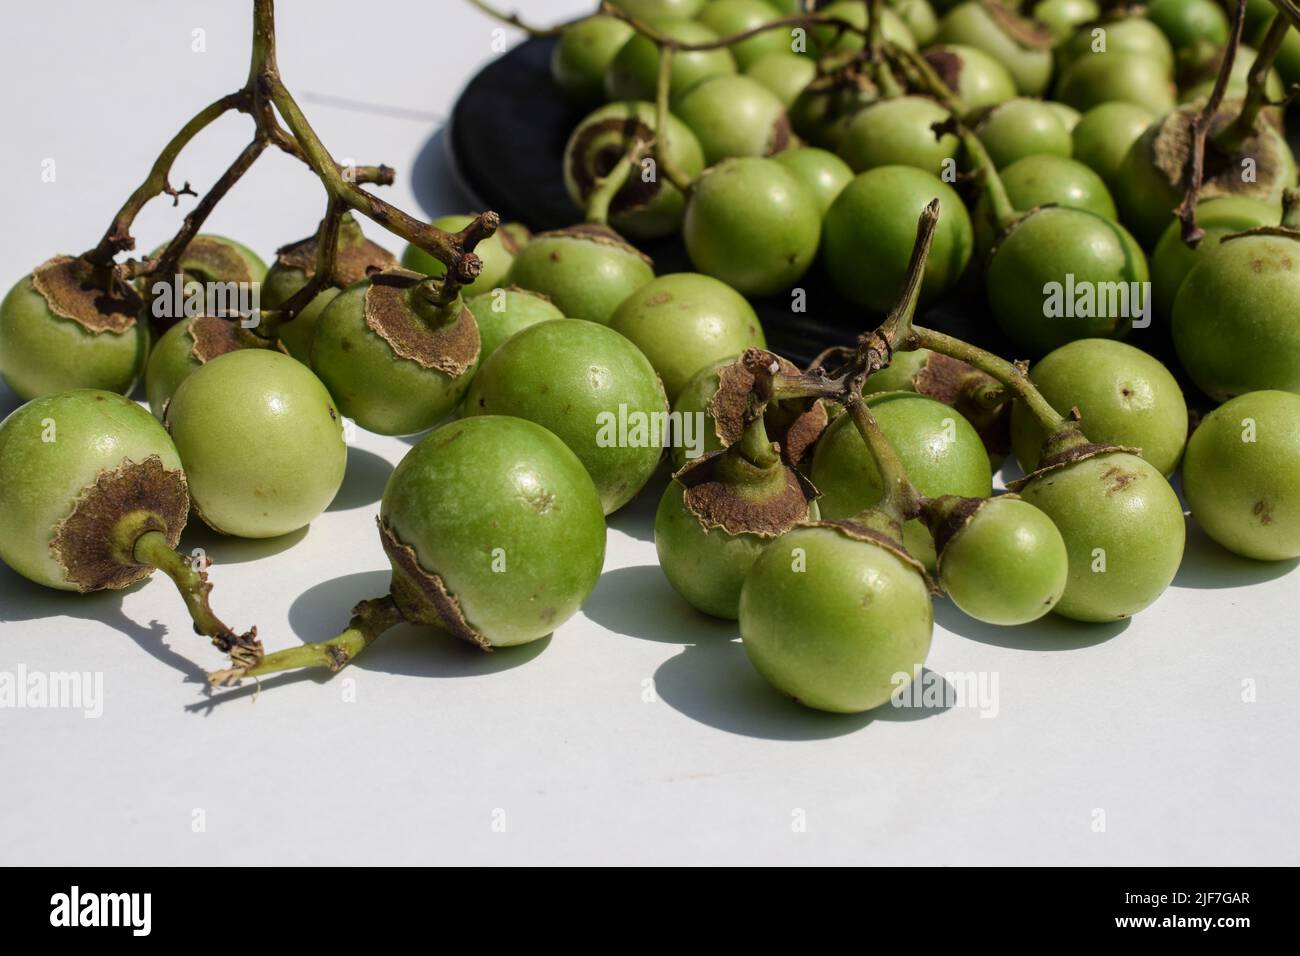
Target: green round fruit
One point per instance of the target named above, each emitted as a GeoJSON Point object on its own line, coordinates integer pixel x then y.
{"type": "Point", "coordinates": [752, 224]}
{"type": "Point", "coordinates": [64, 451]}
{"type": "Point", "coordinates": [210, 258]}
{"type": "Point", "coordinates": [506, 519]}
{"type": "Point", "coordinates": [1172, 258]}
{"type": "Point", "coordinates": [822, 112]}
{"type": "Point", "coordinates": [593, 389]}
{"type": "Point", "coordinates": [1060, 274]}
{"type": "Point", "coordinates": [383, 389]}
{"type": "Point", "coordinates": [503, 312]}
{"type": "Point", "coordinates": [261, 441]}
{"type": "Point", "coordinates": [730, 17]}
{"type": "Point", "coordinates": [734, 116]}
{"type": "Point", "coordinates": [1022, 127]}
{"type": "Point", "coordinates": [685, 321]}
{"type": "Point", "coordinates": [706, 566]}
{"type": "Point", "coordinates": [919, 18]}
{"type": "Point", "coordinates": [640, 208]}
{"type": "Point", "coordinates": [1126, 397]}
{"type": "Point", "coordinates": [897, 132]}
{"type": "Point", "coordinates": [870, 230]}
{"type": "Point", "coordinates": [584, 53]}
{"type": "Point", "coordinates": [58, 334]}
{"type": "Point", "coordinates": [1126, 77]}
{"type": "Point", "coordinates": [1022, 46]}
{"type": "Point", "coordinates": [1063, 17]}
{"type": "Point", "coordinates": [1105, 133]}
{"type": "Point", "coordinates": [1242, 475]}
{"type": "Point", "coordinates": [1125, 35]}
{"type": "Point", "coordinates": [826, 39]}
{"type": "Point", "coordinates": [497, 253]}
{"type": "Point", "coordinates": [837, 623]}
{"type": "Point", "coordinates": [1185, 22]}
{"type": "Point", "coordinates": [1067, 115]}
{"type": "Point", "coordinates": [634, 72]}
{"type": "Point", "coordinates": [1006, 565]}
{"type": "Point", "coordinates": [586, 271]}
{"type": "Point", "coordinates": [176, 356]}
{"type": "Point", "coordinates": [1040, 181]}
{"type": "Point", "coordinates": [900, 374]}
{"type": "Point", "coordinates": [1234, 323]}
{"type": "Point", "coordinates": [977, 78]}
{"type": "Point", "coordinates": [655, 11]}
{"type": "Point", "coordinates": [692, 403]}
{"type": "Point", "coordinates": [822, 173]}
{"type": "Point", "coordinates": [295, 264]}
{"type": "Point", "coordinates": [940, 450]}
{"type": "Point", "coordinates": [1123, 529]}
{"type": "Point", "coordinates": [785, 74]}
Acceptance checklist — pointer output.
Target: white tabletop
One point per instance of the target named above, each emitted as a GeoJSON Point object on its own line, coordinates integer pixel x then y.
{"type": "Point", "coordinates": [639, 732]}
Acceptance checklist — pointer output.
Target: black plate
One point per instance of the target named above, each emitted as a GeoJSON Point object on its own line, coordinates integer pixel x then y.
{"type": "Point", "coordinates": [508, 132]}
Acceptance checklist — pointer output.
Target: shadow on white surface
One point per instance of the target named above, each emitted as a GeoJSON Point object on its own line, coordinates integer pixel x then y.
{"type": "Point", "coordinates": [364, 481]}
{"type": "Point", "coordinates": [1050, 633]}
{"type": "Point", "coordinates": [636, 519]}
{"type": "Point", "coordinates": [27, 601]}
{"type": "Point", "coordinates": [639, 602]}
{"type": "Point", "coordinates": [1208, 565]}
{"type": "Point", "coordinates": [225, 549]}
{"type": "Point", "coordinates": [435, 181]}
{"type": "Point", "coordinates": [715, 684]}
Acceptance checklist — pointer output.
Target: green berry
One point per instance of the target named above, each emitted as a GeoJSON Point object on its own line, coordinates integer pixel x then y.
{"type": "Point", "coordinates": [822, 173]}
{"type": "Point", "coordinates": [261, 440]}
{"type": "Point", "coordinates": [1241, 475]}
{"type": "Point", "coordinates": [503, 312]}
{"type": "Point", "coordinates": [1186, 22]}
{"type": "Point", "coordinates": [685, 321]}
{"type": "Point", "coordinates": [730, 17]}
{"type": "Point", "coordinates": [1097, 78]}
{"type": "Point", "coordinates": [586, 271]}
{"type": "Point", "coordinates": [1104, 135]}
{"type": "Point", "coordinates": [592, 388]}
{"type": "Point", "coordinates": [1020, 45]}
{"type": "Point", "coordinates": [634, 72]}
{"type": "Point", "coordinates": [785, 74]}
{"type": "Point", "coordinates": [897, 131]}
{"type": "Point", "coordinates": [1063, 17]}
{"type": "Point", "coordinates": [1022, 127]}
{"type": "Point", "coordinates": [1041, 181]}
{"type": "Point", "coordinates": [497, 253]}
{"type": "Point", "coordinates": [978, 79]}
{"type": "Point", "coordinates": [584, 53]}
{"type": "Point", "coordinates": [734, 116]}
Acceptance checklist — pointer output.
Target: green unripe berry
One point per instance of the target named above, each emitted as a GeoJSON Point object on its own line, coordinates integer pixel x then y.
{"type": "Point", "coordinates": [897, 131]}
{"type": "Point", "coordinates": [1022, 127]}
{"type": "Point", "coordinates": [497, 253]}
{"type": "Point", "coordinates": [822, 173]}
{"type": "Point", "coordinates": [785, 74]}
{"type": "Point", "coordinates": [1041, 181]}
{"type": "Point", "coordinates": [1105, 133]}
{"type": "Point", "coordinates": [634, 72]}
{"type": "Point", "coordinates": [584, 53]}
{"type": "Point", "coordinates": [734, 116]}
{"type": "Point", "coordinates": [585, 271]}
{"type": "Point", "coordinates": [503, 312]}
{"type": "Point", "coordinates": [1023, 47]}
{"type": "Point", "coordinates": [730, 17]}
{"type": "Point", "coordinates": [976, 78]}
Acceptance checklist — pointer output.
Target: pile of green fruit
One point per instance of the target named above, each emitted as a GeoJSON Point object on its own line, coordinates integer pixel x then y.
{"type": "Point", "coordinates": [1096, 175]}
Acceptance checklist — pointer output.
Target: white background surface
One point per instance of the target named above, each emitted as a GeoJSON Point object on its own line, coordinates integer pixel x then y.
{"type": "Point", "coordinates": [639, 732]}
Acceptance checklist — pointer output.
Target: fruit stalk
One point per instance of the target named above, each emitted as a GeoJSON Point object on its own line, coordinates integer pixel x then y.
{"type": "Point", "coordinates": [1233, 137]}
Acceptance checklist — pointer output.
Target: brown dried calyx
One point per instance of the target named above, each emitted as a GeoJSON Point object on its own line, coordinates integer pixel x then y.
{"type": "Point", "coordinates": [66, 284]}
{"type": "Point", "coordinates": [724, 490]}
{"type": "Point", "coordinates": [978, 397]}
{"type": "Point", "coordinates": [138, 496]}
{"type": "Point", "coordinates": [356, 257]}
{"type": "Point", "coordinates": [1172, 145]}
{"type": "Point", "coordinates": [1066, 447]}
{"type": "Point", "coordinates": [794, 424]}
{"type": "Point", "coordinates": [215, 336]}
{"type": "Point", "coordinates": [599, 147]}
{"type": "Point", "coordinates": [1028, 33]}
{"type": "Point", "coordinates": [421, 595]}
{"type": "Point", "coordinates": [208, 260]}
{"type": "Point", "coordinates": [594, 232]}
{"type": "Point", "coordinates": [400, 310]}
{"type": "Point", "coordinates": [876, 527]}
{"type": "Point", "coordinates": [949, 514]}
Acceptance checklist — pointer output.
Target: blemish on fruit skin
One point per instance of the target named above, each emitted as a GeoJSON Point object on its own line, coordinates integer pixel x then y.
{"type": "Point", "coordinates": [661, 298]}
{"type": "Point", "coordinates": [1263, 511]}
{"type": "Point", "coordinates": [1118, 478]}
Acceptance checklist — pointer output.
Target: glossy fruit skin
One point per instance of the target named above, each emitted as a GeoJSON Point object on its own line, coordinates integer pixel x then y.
{"type": "Point", "coordinates": [261, 440]}
{"type": "Point", "coordinates": [694, 400]}
{"type": "Point", "coordinates": [972, 24]}
{"type": "Point", "coordinates": [568, 376]}
{"type": "Point", "coordinates": [170, 363]}
{"type": "Point", "coordinates": [374, 386]}
{"type": "Point", "coordinates": [1022, 127]}
{"type": "Point", "coordinates": [897, 132]}
{"type": "Point", "coordinates": [584, 53]}
{"type": "Point", "coordinates": [1146, 198]}
{"type": "Point", "coordinates": [585, 276]}
{"type": "Point", "coordinates": [706, 566]}
{"type": "Point", "coordinates": [729, 17]}
{"type": "Point", "coordinates": [1172, 258]}
{"type": "Point", "coordinates": [1007, 566]}
{"type": "Point", "coordinates": [1038, 181]}
{"type": "Point", "coordinates": [634, 72]}
{"type": "Point", "coordinates": [42, 353]}
{"type": "Point", "coordinates": [821, 172]}
{"type": "Point", "coordinates": [1246, 493]}
{"type": "Point", "coordinates": [1046, 248]}
{"type": "Point", "coordinates": [978, 79]}
{"type": "Point", "coordinates": [507, 517]}
{"type": "Point", "coordinates": [1127, 398]}
{"type": "Point", "coordinates": [1068, 116]}
{"type": "Point", "coordinates": [734, 115]}
{"type": "Point", "coordinates": [1117, 508]}
{"type": "Point", "coordinates": [785, 74]}
{"type": "Point", "coordinates": [493, 251]}
{"type": "Point", "coordinates": [40, 481]}
{"type": "Point", "coordinates": [1063, 17]}
{"type": "Point", "coordinates": [919, 18]}
{"type": "Point", "coordinates": [602, 139]}
{"type": "Point", "coordinates": [502, 313]}
{"type": "Point", "coordinates": [1105, 133]}
{"type": "Point", "coordinates": [653, 11]}
{"type": "Point", "coordinates": [1128, 35]}
{"type": "Point", "coordinates": [941, 451]}
{"type": "Point", "coordinates": [1127, 77]}
{"type": "Point", "coordinates": [892, 28]}
{"type": "Point", "coordinates": [1234, 323]}
{"type": "Point", "coordinates": [752, 224]}
{"type": "Point", "coordinates": [685, 321]}
{"type": "Point", "coordinates": [869, 231]}
{"type": "Point", "coordinates": [834, 635]}
{"type": "Point", "coordinates": [1186, 21]}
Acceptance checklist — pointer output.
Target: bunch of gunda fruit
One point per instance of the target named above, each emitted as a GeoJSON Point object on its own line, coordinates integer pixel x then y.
{"type": "Point", "coordinates": [1101, 176]}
